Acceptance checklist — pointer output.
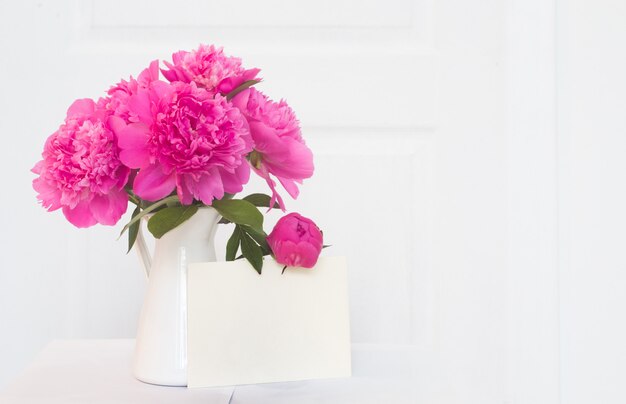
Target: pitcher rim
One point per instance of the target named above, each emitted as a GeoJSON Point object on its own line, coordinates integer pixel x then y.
{"type": "Point", "coordinates": [201, 207]}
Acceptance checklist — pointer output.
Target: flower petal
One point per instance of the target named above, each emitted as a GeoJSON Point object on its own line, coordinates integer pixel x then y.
{"type": "Point", "coordinates": [161, 89]}
{"type": "Point", "coordinates": [263, 173]}
{"type": "Point", "coordinates": [266, 141]}
{"type": "Point", "coordinates": [82, 107]}
{"type": "Point", "coordinates": [139, 104]}
{"type": "Point", "coordinates": [116, 124]}
{"type": "Point", "coordinates": [133, 142]}
{"type": "Point", "coordinates": [153, 184]}
{"type": "Point", "coordinates": [133, 136]}
{"type": "Point", "coordinates": [149, 74]}
{"type": "Point", "coordinates": [210, 186]}
{"type": "Point", "coordinates": [234, 182]}
{"type": "Point", "coordinates": [135, 158]}
{"type": "Point", "coordinates": [80, 216]}
{"type": "Point", "coordinates": [304, 255]}
{"type": "Point", "coordinates": [275, 195]}
{"type": "Point", "coordinates": [108, 209]}
{"type": "Point", "coordinates": [296, 163]}
{"type": "Point", "coordinates": [241, 100]}
{"type": "Point", "coordinates": [230, 83]}
{"type": "Point", "coordinates": [48, 194]}
{"type": "Point", "coordinates": [185, 194]}
{"type": "Point", "coordinates": [290, 186]}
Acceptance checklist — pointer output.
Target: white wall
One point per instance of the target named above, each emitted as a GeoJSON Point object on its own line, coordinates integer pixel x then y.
{"type": "Point", "coordinates": [468, 163]}
{"type": "Point", "coordinates": [592, 153]}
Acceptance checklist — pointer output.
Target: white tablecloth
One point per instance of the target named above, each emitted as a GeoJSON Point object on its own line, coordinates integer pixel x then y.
{"type": "Point", "coordinates": [99, 371]}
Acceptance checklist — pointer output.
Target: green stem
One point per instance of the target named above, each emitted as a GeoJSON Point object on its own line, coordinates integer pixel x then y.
{"type": "Point", "coordinates": [134, 199]}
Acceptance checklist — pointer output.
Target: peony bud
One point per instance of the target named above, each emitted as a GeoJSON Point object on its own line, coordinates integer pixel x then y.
{"type": "Point", "coordinates": [296, 241]}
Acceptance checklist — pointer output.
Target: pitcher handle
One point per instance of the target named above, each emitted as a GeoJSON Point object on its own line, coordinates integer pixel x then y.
{"type": "Point", "coordinates": [143, 252]}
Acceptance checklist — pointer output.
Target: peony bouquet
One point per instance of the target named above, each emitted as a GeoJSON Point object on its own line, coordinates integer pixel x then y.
{"type": "Point", "coordinates": [172, 145]}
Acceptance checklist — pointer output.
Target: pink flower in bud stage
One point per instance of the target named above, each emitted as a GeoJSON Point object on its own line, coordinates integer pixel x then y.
{"type": "Point", "coordinates": [209, 68]}
{"type": "Point", "coordinates": [296, 241]}
{"type": "Point", "coordinates": [279, 149]}
{"type": "Point", "coordinates": [81, 171]}
{"type": "Point", "coordinates": [187, 139]}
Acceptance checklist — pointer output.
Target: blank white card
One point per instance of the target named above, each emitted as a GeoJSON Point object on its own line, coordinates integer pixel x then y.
{"type": "Point", "coordinates": [246, 328]}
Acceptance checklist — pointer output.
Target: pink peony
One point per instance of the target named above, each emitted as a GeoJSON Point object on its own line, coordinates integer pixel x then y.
{"type": "Point", "coordinates": [186, 138]}
{"type": "Point", "coordinates": [296, 241]}
{"type": "Point", "coordinates": [118, 95]}
{"type": "Point", "coordinates": [208, 67]}
{"type": "Point", "coordinates": [279, 148]}
{"type": "Point", "coordinates": [81, 171]}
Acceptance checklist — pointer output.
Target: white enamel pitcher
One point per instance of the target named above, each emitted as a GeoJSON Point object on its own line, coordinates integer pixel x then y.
{"type": "Point", "coordinates": [161, 345]}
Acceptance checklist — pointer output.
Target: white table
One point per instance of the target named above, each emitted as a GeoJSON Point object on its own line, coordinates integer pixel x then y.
{"type": "Point", "coordinates": [98, 371]}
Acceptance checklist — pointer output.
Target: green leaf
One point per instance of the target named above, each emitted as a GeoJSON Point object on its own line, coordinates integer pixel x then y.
{"type": "Point", "coordinates": [261, 200]}
{"type": "Point", "coordinates": [133, 230]}
{"type": "Point", "coordinates": [252, 252]}
{"type": "Point", "coordinates": [240, 212]}
{"type": "Point", "coordinates": [258, 235]}
{"type": "Point", "coordinates": [241, 87]}
{"type": "Point", "coordinates": [147, 210]}
{"type": "Point", "coordinates": [233, 245]}
{"type": "Point", "coordinates": [169, 218]}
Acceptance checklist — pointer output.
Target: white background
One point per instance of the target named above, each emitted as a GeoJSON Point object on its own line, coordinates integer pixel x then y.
{"type": "Point", "coordinates": [470, 163]}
